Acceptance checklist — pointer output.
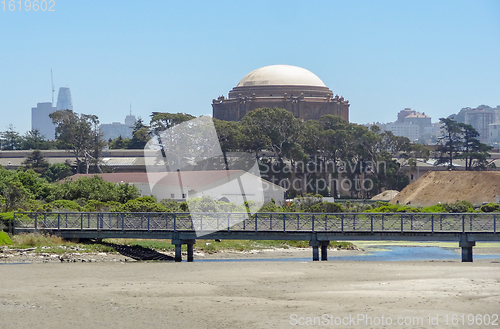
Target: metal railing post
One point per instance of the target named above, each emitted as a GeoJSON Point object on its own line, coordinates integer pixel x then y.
{"type": "Point", "coordinates": [149, 220]}
{"type": "Point", "coordinates": [123, 222]}
{"type": "Point", "coordinates": [494, 223]}
{"type": "Point", "coordinates": [371, 223]}
{"type": "Point", "coordinates": [175, 222]}
{"type": "Point", "coordinates": [58, 221]}
{"type": "Point", "coordinates": [342, 223]}
{"type": "Point", "coordinates": [402, 228]}
{"type": "Point", "coordinates": [270, 222]}
{"type": "Point", "coordinates": [463, 223]}
{"type": "Point", "coordinates": [432, 223]}
{"type": "Point", "coordinates": [471, 223]}
{"type": "Point", "coordinates": [12, 224]}
{"type": "Point", "coordinates": [228, 221]}
{"type": "Point", "coordinates": [313, 223]}
{"type": "Point", "coordinates": [256, 217]}
{"type": "Point", "coordinates": [326, 222]}
{"type": "Point", "coordinates": [284, 223]}
{"type": "Point", "coordinates": [36, 221]}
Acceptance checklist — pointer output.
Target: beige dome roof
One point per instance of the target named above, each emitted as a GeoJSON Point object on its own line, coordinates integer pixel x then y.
{"type": "Point", "coordinates": [281, 75]}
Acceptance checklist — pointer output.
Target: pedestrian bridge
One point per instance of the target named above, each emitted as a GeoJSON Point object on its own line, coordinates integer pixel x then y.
{"type": "Point", "coordinates": [317, 228]}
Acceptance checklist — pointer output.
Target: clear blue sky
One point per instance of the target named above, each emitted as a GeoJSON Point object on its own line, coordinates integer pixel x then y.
{"type": "Point", "coordinates": [432, 56]}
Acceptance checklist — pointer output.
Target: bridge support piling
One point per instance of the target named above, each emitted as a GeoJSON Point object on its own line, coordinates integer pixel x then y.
{"type": "Point", "coordinates": [178, 251]}
{"type": "Point", "coordinates": [190, 252]}
{"type": "Point", "coordinates": [324, 250]}
{"type": "Point", "coordinates": [315, 244]}
{"type": "Point", "coordinates": [315, 253]}
{"type": "Point", "coordinates": [466, 248]}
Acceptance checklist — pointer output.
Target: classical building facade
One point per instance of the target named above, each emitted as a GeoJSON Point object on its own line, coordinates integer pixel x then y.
{"type": "Point", "coordinates": [281, 86]}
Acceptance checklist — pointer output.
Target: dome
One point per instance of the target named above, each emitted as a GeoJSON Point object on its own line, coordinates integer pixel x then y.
{"type": "Point", "coordinates": [281, 75]}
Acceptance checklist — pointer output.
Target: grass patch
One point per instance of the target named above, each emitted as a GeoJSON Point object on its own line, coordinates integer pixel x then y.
{"type": "Point", "coordinates": [51, 244]}
{"type": "Point", "coordinates": [5, 239]}
{"type": "Point", "coordinates": [30, 240]}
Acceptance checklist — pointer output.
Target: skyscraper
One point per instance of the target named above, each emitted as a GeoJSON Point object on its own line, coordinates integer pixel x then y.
{"type": "Point", "coordinates": [64, 101]}
{"type": "Point", "coordinates": [40, 119]}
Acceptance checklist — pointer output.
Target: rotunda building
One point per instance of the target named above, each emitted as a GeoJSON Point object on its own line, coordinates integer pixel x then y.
{"type": "Point", "coordinates": [280, 86]}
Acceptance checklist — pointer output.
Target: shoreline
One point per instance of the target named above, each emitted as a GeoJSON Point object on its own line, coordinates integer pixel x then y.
{"type": "Point", "coordinates": [363, 248]}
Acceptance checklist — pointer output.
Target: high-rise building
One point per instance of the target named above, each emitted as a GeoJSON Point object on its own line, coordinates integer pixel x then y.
{"type": "Point", "coordinates": [480, 120]}
{"type": "Point", "coordinates": [64, 101]}
{"type": "Point", "coordinates": [115, 129]}
{"type": "Point", "coordinates": [40, 119]}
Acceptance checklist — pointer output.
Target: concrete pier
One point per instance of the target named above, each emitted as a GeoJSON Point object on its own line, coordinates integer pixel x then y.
{"type": "Point", "coordinates": [315, 244]}
{"type": "Point", "coordinates": [178, 251]}
{"type": "Point", "coordinates": [466, 248]}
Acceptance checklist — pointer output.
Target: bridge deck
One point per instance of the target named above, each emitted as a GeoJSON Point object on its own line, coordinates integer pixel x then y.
{"type": "Point", "coordinates": [319, 229]}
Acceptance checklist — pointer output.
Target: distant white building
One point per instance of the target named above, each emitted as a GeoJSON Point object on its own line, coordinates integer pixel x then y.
{"type": "Point", "coordinates": [116, 129]}
{"type": "Point", "coordinates": [40, 119]}
{"type": "Point", "coordinates": [409, 130]}
{"type": "Point", "coordinates": [40, 114]}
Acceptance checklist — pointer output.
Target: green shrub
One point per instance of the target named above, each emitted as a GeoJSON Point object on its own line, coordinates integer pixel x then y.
{"type": "Point", "coordinates": [95, 205]}
{"type": "Point", "coordinates": [45, 208]}
{"type": "Point", "coordinates": [66, 205]}
{"type": "Point", "coordinates": [142, 204]}
{"type": "Point", "coordinates": [490, 207]}
{"type": "Point", "coordinates": [327, 207]}
{"type": "Point", "coordinates": [459, 207]}
{"type": "Point", "coordinates": [5, 239]}
{"type": "Point", "coordinates": [438, 208]}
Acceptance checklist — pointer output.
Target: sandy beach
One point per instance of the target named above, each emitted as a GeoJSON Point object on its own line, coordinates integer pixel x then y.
{"type": "Point", "coordinates": [245, 294]}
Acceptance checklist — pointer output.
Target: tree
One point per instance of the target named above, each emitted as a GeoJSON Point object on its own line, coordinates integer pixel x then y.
{"type": "Point", "coordinates": [57, 171]}
{"type": "Point", "coordinates": [269, 128]}
{"type": "Point", "coordinates": [474, 152]}
{"type": "Point", "coordinates": [140, 135]}
{"type": "Point", "coordinates": [119, 143]}
{"type": "Point", "coordinates": [10, 139]}
{"type": "Point", "coordinates": [450, 144]}
{"type": "Point", "coordinates": [37, 162]}
{"type": "Point", "coordinates": [80, 134]}
{"type": "Point", "coordinates": [229, 135]}
{"type": "Point", "coordinates": [34, 140]}
{"type": "Point", "coordinates": [163, 121]}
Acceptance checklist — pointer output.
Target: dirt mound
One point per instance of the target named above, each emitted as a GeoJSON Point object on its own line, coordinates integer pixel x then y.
{"type": "Point", "coordinates": [385, 196]}
{"type": "Point", "coordinates": [451, 186]}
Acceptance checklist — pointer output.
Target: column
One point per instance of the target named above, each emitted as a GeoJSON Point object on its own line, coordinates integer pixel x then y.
{"type": "Point", "coordinates": [466, 248]}
{"type": "Point", "coordinates": [315, 253]}
{"type": "Point", "coordinates": [178, 252]}
{"type": "Point", "coordinates": [324, 251]}
{"type": "Point", "coordinates": [190, 252]}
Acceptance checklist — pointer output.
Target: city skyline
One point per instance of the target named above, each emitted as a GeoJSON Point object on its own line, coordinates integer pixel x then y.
{"type": "Point", "coordinates": [432, 57]}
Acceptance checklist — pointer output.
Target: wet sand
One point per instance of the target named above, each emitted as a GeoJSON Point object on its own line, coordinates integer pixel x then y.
{"type": "Point", "coordinates": [243, 294]}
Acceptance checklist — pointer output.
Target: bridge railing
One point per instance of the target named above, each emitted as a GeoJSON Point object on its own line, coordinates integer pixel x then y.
{"type": "Point", "coordinates": [275, 222]}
